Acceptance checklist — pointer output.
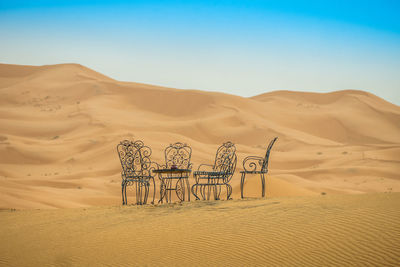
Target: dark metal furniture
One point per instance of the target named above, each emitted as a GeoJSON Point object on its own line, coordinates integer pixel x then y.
{"type": "Point", "coordinates": [211, 178]}
{"type": "Point", "coordinates": [257, 165]}
{"type": "Point", "coordinates": [174, 175]}
{"type": "Point", "coordinates": [173, 180]}
{"type": "Point", "coordinates": [136, 170]}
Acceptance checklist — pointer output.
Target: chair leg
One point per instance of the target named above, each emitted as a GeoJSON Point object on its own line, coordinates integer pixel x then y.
{"type": "Point", "coordinates": [138, 193]}
{"type": "Point", "coordinates": [122, 193]}
{"type": "Point", "coordinates": [204, 192]}
{"type": "Point", "coordinates": [209, 188]}
{"type": "Point", "coordinates": [142, 193]}
{"type": "Point", "coordinates": [218, 189]}
{"type": "Point", "coordinates": [126, 199]}
{"type": "Point", "coordinates": [228, 191]}
{"type": "Point", "coordinates": [154, 190]}
{"type": "Point", "coordinates": [146, 192]}
{"type": "Point", "coordinates": [194, 194]}
{"type": "Point", "coordinates": [262, 185]}
{"type": "Point", "coordinates": [242, 183]}
{"type": "Point", "coordinates": [188, 188]}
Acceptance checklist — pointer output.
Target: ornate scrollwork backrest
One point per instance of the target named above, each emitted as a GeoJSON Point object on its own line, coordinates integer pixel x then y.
{"type": "Point", "coordinates": [266, 159]}
{"type": "Point", "coordinates": [225, 159]}
{"type": "Point", "coordinates": [178, 154]}
{"type": "Point", "coordinates": [135, 159]}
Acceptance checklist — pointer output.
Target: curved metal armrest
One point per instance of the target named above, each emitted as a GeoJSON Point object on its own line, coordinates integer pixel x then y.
{"type": "Point", "coordinates": [153, 166]}
{"type": "Point", "coordinates": [209, 173]}
{"type": "Point", "coordinates": [197, 175]}
{"type": "Point", "coordinates": [202, 167]}
{"type": "Point", "coordinates": [252, 163]}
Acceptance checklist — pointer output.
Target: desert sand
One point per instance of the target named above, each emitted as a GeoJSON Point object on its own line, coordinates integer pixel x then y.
{"type": "Point", "coordinates": [333, 173]}
{"type": "Point", "coordinates": [330, 230]}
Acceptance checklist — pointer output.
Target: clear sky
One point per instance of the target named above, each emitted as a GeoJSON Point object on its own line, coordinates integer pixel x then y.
{"type": "Point", "coordinates": [239, 47]}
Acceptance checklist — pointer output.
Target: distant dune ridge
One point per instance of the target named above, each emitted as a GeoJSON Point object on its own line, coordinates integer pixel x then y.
{"type": "Point", "coordinates": [59, 125]}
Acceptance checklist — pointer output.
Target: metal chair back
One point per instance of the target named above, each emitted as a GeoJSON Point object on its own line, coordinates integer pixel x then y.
{"type": "Point", "coordinates": [178, 155]}
{"type": "Point", "coordinates": [225, 160]}
{"type": "Point", "coordinates": [264, 167]}
{"type": "Point", "coordinates": [135, 159]}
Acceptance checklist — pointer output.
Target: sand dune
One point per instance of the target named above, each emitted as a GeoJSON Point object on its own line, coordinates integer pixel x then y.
{"type": "Point", "coordinates": [59, 126]}
{"type": "Point", "coordinates": [340, 230]}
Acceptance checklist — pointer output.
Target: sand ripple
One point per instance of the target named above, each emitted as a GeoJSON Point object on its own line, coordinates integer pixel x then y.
{"type": "Point", "coordinates": [348, 230]}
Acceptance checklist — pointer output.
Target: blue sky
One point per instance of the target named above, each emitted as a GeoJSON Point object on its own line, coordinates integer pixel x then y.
{"type": "Point", "coordinates": [239, 47]}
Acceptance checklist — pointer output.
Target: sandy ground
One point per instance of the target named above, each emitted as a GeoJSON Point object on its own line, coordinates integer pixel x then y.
{"type": "Point", "coordinates": [330, 230]}
{"type": "Point", "coordinates": [60, 124]}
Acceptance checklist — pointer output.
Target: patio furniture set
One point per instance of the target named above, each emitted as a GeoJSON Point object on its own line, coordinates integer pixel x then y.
{"type": "Point", "coordinates": [210, 180]}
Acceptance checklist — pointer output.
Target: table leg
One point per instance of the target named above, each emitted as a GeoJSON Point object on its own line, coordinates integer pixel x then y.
{"type": "Point", "coordinates": [169, 199]}
{"type": "Point", "coordinates": [183, 187]}
{"type": "Point", "coordinates": [180, 188]}
{"type": "Point", "coordinates": [163, 190]}
{"type": "Point", "coordinates": [188, 187]}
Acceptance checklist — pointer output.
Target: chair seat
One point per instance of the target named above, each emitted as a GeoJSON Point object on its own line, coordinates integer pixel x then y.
{"type": "Point", "coordinates": [173, 177]}
{"type": "Point", "coordinates": [134, 178]}
{"type": "Point", "coordinates": [210, 184]}
{"type": "Point", "coordinates": [253, 172]}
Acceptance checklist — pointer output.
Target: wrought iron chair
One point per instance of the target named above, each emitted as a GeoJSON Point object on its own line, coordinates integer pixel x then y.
{"type": "Point", "coordinates": [256, 165]}
{"type": "Point", "coordinates": [136, 170]}
{"type": "Point", "coordinates": [177, 159]}
{"type": "Point", "coordinates": [211, 178]}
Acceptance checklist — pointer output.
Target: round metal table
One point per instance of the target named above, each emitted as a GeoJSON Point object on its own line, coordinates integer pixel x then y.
{"type": "Point", "coordinates": [174, 180]}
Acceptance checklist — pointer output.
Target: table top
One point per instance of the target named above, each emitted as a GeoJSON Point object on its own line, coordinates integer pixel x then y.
{"type": "Point", "coordinates": [211, 173]}
{"type": "Point", "coordinates": [172, 170]}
